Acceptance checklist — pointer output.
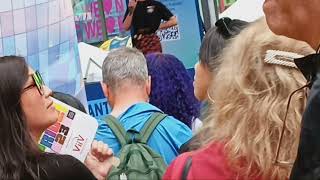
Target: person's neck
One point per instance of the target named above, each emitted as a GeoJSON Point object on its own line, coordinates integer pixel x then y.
{"type": "Point", "coordinates": [36, 136]}
{"type": "Point", "coordinates": [312, 37]}
{"type": "Point", "coordinates": [315, 44]}
{"type": "Point", "coordinates": [126, 100]}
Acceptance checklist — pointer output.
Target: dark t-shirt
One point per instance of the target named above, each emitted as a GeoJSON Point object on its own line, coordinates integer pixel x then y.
{"type": "Point", "coordinates": [61, 167]}
{"type": "Point", "coordinates": [147, 16]}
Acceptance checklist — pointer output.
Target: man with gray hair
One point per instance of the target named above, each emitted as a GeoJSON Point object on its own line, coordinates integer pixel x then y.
{"type": "Point", "coordinates": [127, 86]}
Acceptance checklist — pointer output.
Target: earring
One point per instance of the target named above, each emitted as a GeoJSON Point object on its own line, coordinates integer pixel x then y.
{"type": "Point", "coordinates": [210, 98]}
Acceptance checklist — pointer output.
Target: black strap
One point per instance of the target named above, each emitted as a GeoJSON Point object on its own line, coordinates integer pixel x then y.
{"type": "Point", "coordinates": [186, 168]}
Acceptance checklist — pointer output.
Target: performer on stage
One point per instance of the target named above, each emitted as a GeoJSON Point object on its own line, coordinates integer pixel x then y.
{"type": "Point", "coordinates": [145, 18]}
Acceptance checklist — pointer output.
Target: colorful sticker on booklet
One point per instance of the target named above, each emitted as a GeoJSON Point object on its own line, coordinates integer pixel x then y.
{"type": "Point", "coordinates": [55, 136]}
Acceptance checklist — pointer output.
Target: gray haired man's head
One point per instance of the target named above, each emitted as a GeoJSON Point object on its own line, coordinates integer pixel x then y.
{"type": "Point", "coordinates": [124, 65]}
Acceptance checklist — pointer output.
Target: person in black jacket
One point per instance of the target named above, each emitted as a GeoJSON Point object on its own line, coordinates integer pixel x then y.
{"type": "Point", "coordinates": [299, 19]}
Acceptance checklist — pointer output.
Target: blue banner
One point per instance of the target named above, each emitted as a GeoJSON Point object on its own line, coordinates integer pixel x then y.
{"type": "Point", "coordinates": [97, 103]}
{"type": "Point", "coordinates": [183, 40]}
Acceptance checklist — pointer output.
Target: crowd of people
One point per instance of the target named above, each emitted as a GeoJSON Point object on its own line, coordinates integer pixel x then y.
{"type": "Point", "coordinates": [250, 111]}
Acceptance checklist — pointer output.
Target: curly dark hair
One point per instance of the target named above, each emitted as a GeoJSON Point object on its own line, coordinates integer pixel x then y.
{"type": "Point", "coordinates": [172, 88]}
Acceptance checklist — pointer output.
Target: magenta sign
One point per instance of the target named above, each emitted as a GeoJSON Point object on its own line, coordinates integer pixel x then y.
{"type": "Point", "coordinates": [89, 21]}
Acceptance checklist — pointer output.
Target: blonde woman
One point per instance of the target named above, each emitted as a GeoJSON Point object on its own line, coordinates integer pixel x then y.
{"type": "Point", "coordinates": [252, 87]}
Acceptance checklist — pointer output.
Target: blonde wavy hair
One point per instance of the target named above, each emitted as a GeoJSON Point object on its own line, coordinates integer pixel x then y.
{"type": "Point", "coordinates": [250, 103]}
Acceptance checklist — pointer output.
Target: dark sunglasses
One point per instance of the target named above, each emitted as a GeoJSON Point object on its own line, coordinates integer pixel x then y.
{"type": "Point", "coordinates": [38, 82]}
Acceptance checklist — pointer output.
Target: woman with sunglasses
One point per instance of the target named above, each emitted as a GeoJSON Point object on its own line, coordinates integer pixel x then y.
{"type": "Point", "coordinates": [26, 110]}
{"type": "Point", "coordinates": [254, 82]}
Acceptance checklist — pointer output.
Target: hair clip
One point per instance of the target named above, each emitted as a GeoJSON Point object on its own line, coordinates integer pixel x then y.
{"type": "Point", "coordinates": [223, 24]}
{"type": "Point", "coordinates": [283, 58]}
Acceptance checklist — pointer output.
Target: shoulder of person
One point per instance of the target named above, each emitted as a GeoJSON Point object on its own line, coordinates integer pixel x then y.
{"type": "Point", "coordinates": [175, 169]}
{"type": "Point", "coordinates": [59, 159]}
{"type": "Point", "coordinates": [172, 121]}
{"type": "Point", "coordinates": [209, 161]}
{"type": "Point", "coordinates": [58, 166]}
{"type": "Point", "coordinates": [176, 129]}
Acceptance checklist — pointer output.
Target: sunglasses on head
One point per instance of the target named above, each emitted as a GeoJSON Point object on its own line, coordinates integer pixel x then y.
{"type": "Point", "coordinates": [38, 82]}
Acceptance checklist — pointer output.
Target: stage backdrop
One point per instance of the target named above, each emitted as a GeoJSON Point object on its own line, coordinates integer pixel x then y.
{"type": "Point", "coordinates": [44, 33]}
{"type": "Point", "coordinates": [184, 39]}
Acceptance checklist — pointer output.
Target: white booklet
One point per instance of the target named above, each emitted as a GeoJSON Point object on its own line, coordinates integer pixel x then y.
{"type": "Point", "coordinates": [72, 134]}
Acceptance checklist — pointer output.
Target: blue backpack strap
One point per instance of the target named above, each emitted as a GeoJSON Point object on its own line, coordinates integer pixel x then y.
{"type": "Point", "coordinates": [117, 129]}
{"type": "Point", "coordinates": [150, 126]}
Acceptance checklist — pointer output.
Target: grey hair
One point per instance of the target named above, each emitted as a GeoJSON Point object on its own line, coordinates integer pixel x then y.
{"type": "Point", "coordinates": [123, 65]}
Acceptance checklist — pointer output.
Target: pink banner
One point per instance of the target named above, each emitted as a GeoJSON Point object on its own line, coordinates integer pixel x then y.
{"type": "Point", "coordinates": [89, 21]}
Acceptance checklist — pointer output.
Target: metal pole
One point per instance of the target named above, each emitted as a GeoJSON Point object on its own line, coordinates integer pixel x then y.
{"type": "Point", "coordinates": [216, 9]}
{"type": "Point", "coordinates": [211, 9]}
{"type": "Point", "coordinates": [206, 14]}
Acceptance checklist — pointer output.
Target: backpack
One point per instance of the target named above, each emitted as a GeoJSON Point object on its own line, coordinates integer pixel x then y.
{"type": "Point", "coordinates": [137, 160]}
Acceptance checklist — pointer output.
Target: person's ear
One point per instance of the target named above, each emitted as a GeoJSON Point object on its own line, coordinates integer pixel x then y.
{"type": "Point", "coordinates": [105, 89]}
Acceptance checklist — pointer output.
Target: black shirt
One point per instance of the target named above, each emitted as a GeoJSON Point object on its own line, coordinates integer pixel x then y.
{"type": "Point", "coordinates": [307, 163]}
{"type": "Point", "coordinates": [61, 167]}
{"type": "Point", "coordinates": [147, 16]}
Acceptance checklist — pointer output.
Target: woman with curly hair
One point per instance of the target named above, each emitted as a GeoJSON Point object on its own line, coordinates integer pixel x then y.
{"type": "Point", "coordinates": [256, 77]}
{"type": "Point", "coordinates": [171, 88]}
